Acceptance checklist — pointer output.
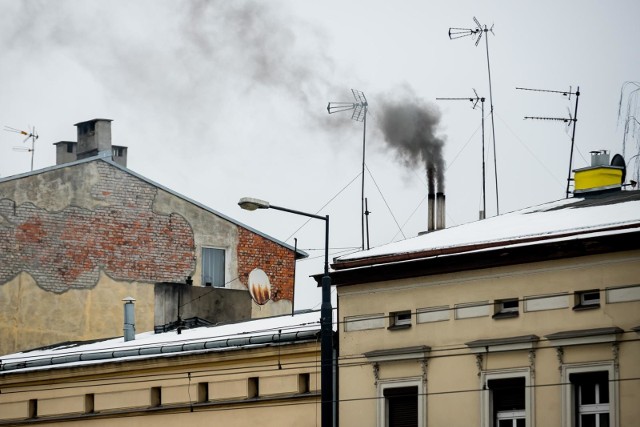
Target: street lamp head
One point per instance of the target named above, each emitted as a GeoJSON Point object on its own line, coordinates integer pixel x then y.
{"type": "Point", "coordinates": [251, 204]}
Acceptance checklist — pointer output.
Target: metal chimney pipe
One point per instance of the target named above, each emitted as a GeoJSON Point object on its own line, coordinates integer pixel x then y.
{"type": "Point", "coordinates": [440, 214]}
{"type": "Point", "coordinates": [129, 319]}
{"type": "Point", "coordinates": [431, 212]}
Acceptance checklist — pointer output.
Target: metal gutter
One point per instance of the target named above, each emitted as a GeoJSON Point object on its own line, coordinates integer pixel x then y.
{"type": "Point", "coordinates": [214, 345]}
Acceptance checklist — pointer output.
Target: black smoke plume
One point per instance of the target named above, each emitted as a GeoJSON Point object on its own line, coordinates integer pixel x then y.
{"type": "Point", "coordinates": [409, 126]}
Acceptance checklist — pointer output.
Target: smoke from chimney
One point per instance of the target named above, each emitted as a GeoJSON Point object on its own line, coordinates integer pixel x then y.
{"type": "Point", "coordinates": [409, 126]}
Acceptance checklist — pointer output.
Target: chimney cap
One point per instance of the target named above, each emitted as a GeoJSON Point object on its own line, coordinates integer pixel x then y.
{"type": "Point", "coordinates": [93, 120]}
{"type": "Point", "coordinates": [129, 299]}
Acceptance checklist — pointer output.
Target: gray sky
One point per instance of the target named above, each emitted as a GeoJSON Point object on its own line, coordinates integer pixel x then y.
{"type": "Point", "coordinates": [219, 100]}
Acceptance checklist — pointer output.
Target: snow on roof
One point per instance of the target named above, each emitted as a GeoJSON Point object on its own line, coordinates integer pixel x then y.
{"type": "Point", "coordinates": [575, 215]}
{"type": "Point", "coordinates": [240, 335]}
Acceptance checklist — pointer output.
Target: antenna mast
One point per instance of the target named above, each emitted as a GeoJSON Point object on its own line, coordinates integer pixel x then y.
{"type": "Point", "coordinates": [475, 101]}
{"type": "Point", "coordinates": [33, 135]}
{"type": "Point", "coordinates": [359, 108]}
{"type": "Point", "coordinates": [457, 33]}
{"type": "Point", "coordinates": [570, 120]}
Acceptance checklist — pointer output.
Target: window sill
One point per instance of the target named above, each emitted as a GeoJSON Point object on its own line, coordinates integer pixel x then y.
{"type": "Point", "coordinates": [398, 327]}
{"type": "Point", "coordinates": [585, 307]}
{"type": "Point", "coordinates": [506, 315]}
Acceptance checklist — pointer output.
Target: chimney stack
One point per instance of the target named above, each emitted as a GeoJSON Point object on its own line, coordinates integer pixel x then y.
{"type": "Point", "coordinates": [129, 319]}
{"type": "Point", "coordinates": [94, 136]}
{"type": "Point", "coordinates": [440, 211]}
{"type": "Point", "coordinates": [431, 198]}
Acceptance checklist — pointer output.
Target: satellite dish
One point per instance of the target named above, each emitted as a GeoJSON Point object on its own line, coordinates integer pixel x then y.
{"type": "Point", "coordinates": [618, 161]}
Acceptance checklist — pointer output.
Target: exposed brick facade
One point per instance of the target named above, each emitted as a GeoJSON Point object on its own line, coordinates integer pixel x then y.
{"type": "Point", "coordinates": [254, 251]}
{"type": "Point", "coordinates": [121, 236]}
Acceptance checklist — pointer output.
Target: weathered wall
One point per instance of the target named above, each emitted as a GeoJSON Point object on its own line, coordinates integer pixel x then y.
{"type": "Point", "coordinates": [31, 317]}
{"type": "Point", "coordinates": [64, 245]}
{"type": "Point", "coordinates": [209, 303]}
{"type": "Point", "coordinates": [87, 226]}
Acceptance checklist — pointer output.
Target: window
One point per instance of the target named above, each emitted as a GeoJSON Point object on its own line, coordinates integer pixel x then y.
{"type": "Point", "coordinates": [508, 402]}
{"type": "Point", "coordinates": [506, 399]}
{"type": "Point", "coordinates": [213, 267]}
{"type": "Point", "coordinates": [589, 395]}
{"type": "Point", "coordinates": [506, 308]}
{"type": "Point", "coordinates": [400, 320]}
{"type": "Point", "coordinates": [401, 403]}
{"type": "Point", "coordinates": [587, 299]}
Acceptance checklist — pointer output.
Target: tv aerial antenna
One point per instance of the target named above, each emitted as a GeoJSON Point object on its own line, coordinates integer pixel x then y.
{"type": "Point", "coordinates": [571, 121]}
{"type": "Point", "coordinates": [31, 134]}
{"type": "Point", "coordinates": [359, 108]}
{"type": "Point", "coordinates": [476, 33]}
{"type": "Point", "coordinates": [474, 100]}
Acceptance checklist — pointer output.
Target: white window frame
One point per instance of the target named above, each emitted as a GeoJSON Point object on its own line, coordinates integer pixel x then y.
{"type": "Point", "coordinates": [397, 383]}
{"type": "Point", "coordinates": [224, 280]}
{"type": "Point", "coordinates": [568, 390]}
{"type": "Point", "coordinates": [486, 401]}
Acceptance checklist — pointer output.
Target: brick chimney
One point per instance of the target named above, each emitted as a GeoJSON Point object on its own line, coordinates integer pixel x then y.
{"type": "Point", "coordinates": [94, 136]}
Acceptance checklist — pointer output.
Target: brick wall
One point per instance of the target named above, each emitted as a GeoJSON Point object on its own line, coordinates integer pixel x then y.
{"type": "Point", "coordinates": [254, 251]}
{"type": "Point", "coordinates": [122, 236]}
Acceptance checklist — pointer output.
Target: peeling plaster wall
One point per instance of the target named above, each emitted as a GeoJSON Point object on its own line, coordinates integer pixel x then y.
{"type": "Point", "coordinates": [76, 240]}
{"type": "Point", "coordinates": [32, 317]}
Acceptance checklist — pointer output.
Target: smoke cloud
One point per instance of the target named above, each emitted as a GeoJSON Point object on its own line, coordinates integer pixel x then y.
{"type": "Point", "coordinates": [409, 126]}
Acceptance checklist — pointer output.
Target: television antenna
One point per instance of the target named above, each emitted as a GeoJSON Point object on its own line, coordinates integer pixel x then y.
{"type": "Point", "coordinates": [359, 108]}
{"type": "Point", "coordinates": [32, 134]}
{"type": "Point", "coordinates": [474, 100]}
{"type": "Point", "coordinates": [571, 120]}
{"type": "Point", "coordinates": [457, 33]}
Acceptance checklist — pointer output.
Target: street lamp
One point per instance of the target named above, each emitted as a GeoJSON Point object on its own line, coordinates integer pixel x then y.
{"type": "Point", "coordinates": [326, 313]}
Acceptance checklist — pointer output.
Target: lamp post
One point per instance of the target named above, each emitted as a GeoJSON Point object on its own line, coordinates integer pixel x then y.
{"type": "Point", "coordinates": [326, 313]}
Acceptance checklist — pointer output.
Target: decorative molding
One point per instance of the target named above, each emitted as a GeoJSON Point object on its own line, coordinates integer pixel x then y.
{"type": "Point", "coordinates": [479, 363]}
{"type": "Point", "coordinates": [403, 353]}
{"type": "Point", "coordinates": [615, 349]}
{"type": "Point", "coordinates": [376, 373]}
{"type": "Point", "coordinates": [585, 336]}
{"type": "Point", "coordinates": [424, 363]}
{"type": "Point", "coordinates": [560, 356]}
{"type": "Point", "coordinates": [532, 362]}
{"type": "Point", "coordinates": [524, 342]}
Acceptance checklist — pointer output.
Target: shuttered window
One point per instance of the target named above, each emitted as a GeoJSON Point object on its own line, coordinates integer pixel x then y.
{"type": "Point", "coordinates": [401, 406]}
{"type": "Point", "coordinates": [508, 397]}
{"type": "Point", "coordinates": [213, 267]}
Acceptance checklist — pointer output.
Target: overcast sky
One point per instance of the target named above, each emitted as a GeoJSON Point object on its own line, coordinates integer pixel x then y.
{"type": "Point", "coordinates": [218, 100]}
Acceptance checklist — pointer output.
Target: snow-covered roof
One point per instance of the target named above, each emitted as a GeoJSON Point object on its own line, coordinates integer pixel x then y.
{"type": "Point", "coordinates": [241, 335]}
{"type": "Point", "coordinates": [547, 221]}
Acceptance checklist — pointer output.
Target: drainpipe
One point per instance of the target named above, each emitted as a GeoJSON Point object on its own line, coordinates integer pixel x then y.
{"type": "Point", "coordinates": [129, 319]}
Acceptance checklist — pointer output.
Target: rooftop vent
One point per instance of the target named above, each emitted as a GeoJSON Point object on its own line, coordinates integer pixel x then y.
{"type": "Point", "coordinates": [600, 176]}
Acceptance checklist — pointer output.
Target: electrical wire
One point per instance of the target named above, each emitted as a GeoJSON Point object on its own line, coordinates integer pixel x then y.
{"type": "Point", "coordinates": [385, 201]}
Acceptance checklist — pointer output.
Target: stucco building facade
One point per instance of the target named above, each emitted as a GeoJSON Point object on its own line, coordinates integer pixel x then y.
{"type": "Point", "coordinates": [262, 372]}
{"type": "Point", "coordinates": [529, 318]}
{"type": "Point", "coordinates": [78, 237]}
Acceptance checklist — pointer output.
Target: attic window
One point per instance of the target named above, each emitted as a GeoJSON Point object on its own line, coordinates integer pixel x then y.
{"type": "Point", "coordinates": [400, 319]}
{"type": "Point", "coordinates": [506, 308]}
{"type": "Point", "coordinates": [586, 300]}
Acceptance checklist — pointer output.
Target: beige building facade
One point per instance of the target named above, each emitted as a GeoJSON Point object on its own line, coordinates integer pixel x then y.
{"type": "Point", "coordinates": [526, 319]}
{"type": "Point", "coordinates": [263, 372]}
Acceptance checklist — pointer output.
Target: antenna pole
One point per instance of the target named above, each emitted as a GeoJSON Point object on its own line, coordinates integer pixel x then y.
{"type": "Point", "coordinates": [360, 115]}
{"type": "Point", "coordinates": [573, 138]}
{"type": "Point", "coordinates": [475, 101]}
{"type": "Point", "coordinates": [493, 128]}
{"type": "Point", "coordinates": [484, 192]}
{"type": "Point", "coordinates": [476, 33]}
{"type": "Point", "coordinates": [364, 208]}
{"type": "Point", "coordinates": [570, 120]}
{"type": "Point", "coordinates": [366, 214]}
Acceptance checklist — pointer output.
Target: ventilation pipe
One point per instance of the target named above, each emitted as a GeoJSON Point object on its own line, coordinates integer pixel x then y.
{"type": "Point", "coordinates": [431, 212]}
{"type": "Point", "coordinates": [129, 319]}
{"type": "Point", "coordinates": [440, 207]}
